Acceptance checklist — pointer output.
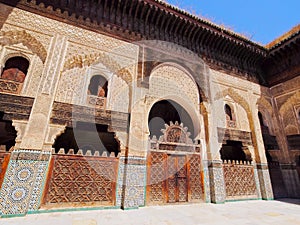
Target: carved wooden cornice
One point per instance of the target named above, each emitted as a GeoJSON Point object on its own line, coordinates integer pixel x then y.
{"type": "Point", "coordinates": [67, 114]}
{"type": "Point", "coordinates": [135, 20]}
{"type": "Point", "coordinates": [15, 107]}
{"type": "Point", "coordinates": [283, 61]}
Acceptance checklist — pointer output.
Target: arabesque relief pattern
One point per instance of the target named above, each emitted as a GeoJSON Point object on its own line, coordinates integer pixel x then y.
{"type": "Point", "coordinates": [196, 178]}
{"type": "Point", "coordinates": [15, 36]}
{"type": "Point", "coordinates": [78, 179]}
{"type": "Point", "coordinates": [239, 180]}
{"type": "Point", "coordinates": [157, 177]}
{"type": "Point", "coordinates": [167, 80]}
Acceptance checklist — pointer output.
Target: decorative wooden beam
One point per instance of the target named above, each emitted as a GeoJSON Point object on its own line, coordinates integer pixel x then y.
{"type": "Point", "coordinates": [146, 25]}
{"type": "Point", "coordinates": [123, 15]}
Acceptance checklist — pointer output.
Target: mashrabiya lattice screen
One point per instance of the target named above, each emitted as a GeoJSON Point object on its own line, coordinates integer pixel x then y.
{"type": "Point", "coordinates": [82, 179]}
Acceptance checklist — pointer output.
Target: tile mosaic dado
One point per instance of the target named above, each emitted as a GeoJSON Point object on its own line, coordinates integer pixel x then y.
{"type": "Point", "coordinates": [23, 183]}
{"type": "Point", "coordinates": [131, 194]}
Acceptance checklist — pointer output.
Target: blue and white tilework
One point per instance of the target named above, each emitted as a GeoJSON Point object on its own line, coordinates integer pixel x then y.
{"type": "Point", "coordinates": [23, 183]}
{"type": "Point", "coordinates": [133, 192]}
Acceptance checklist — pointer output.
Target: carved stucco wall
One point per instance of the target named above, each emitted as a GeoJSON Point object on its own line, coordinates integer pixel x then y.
{"type": "Point", "coordinates": [264, 104]}
{"type": "Point", "coordinates": [42, 26]}
{"type": "Point", "coordinates": [289, 113]}
{"type": "Point", "coordinates": [53, 49]}
{"type": "Point", "coordinates": [73, 84]}
{"type": "Point", "coordinates": [268, 109]}
{"type": "Point", "coordinates": [70, 86]}
{"type": "Point", "coordinates": [33, 77]}
{"type": "Point", "coordinates": [34, 34]}
{"type": "Point", "coordinates": [287, 103]}
{"type": "Point", "coordinates": [168, 81]}
{"type": "Point", "coordinates": [120, 95]}
{"type": "Point", "coordinates": [243, 95]}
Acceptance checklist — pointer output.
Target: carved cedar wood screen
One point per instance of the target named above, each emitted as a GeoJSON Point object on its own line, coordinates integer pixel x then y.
{"type": "Point", "coordinates": [81, 180]}
{"type": "Point", "coordinates": [174, 173]}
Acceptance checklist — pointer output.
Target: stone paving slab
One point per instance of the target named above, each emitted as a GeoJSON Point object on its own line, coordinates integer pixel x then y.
{"type": "Point", "coordinates": [286, 211]}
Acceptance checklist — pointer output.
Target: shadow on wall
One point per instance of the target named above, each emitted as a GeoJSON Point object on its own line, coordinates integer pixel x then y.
{"type": "Point", "coordinates": [289, 200]}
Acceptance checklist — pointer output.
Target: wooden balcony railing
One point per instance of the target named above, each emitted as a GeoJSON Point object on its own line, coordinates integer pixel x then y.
{"type": "Point", "coordinates": [99, 102]}
{"type": "Point", "coordinates": [231, 123]}
{"type": "Point", "coordinates": [10, 86]}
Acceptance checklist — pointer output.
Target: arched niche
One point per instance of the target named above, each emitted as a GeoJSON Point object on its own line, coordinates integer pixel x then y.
{"type": "Point", "coordinates": [87, 136]}
{"type": "Point", "coordinates": [228, 112]}
{"type": "Point", "coordinates": [230, 116]}
{"type": "Point", "coordinates": [234, 150]}
{"type": "Point", "coordinates": [13, 74]}
{"type": "Point", "coordinates": [166, 112]}
{"type": "Point", "coordinates": [98, 86]}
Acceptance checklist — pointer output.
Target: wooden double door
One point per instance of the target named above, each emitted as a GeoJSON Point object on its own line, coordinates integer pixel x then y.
{"type": "Point", "coordinates": [176, 182]}
{"type": "Point", "coordinates": [173, 178]}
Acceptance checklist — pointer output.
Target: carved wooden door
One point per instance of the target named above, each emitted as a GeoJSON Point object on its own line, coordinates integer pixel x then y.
{"type": "Point", "coordinates": [173, 178]}
{"type": "Point", "coordinates": [177, 179]}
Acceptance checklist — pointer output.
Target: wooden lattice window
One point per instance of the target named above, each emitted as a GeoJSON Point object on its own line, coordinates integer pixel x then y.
{"type": "Point", "coordinates": [97, 91]}
{"type": "Point", "coordinates": [13, 74]}
{"type": "Point", "coordinates": [98, 86]}
{"type": "Point", "coordinates": [230, 118]}
{"type": "Point", "coordinates": [228, 112]}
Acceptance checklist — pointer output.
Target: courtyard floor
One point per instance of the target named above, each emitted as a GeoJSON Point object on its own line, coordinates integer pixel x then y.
{"type": "Point", "coordinates": [285, 211]}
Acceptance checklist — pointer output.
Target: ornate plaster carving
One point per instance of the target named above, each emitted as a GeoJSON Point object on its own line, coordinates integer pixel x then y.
{"type": "Point", "coordinates": [53, 132]}
{"type": "Point", "coordinates": [20, 127]}
{"type": "Point", "coordinates": [263, 102]}
{"type": "Point", "coordinates": [235, 96]}
{"type": "Point", "coordinates": [80, 61]}
{"type": "Point", "coordinates": [295, 99]}
{"type": "Point", "coordinates": [15, 37]}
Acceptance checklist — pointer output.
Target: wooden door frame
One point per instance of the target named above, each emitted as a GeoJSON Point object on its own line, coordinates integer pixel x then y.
{"type": "Point", "coordinates": [164, 185]}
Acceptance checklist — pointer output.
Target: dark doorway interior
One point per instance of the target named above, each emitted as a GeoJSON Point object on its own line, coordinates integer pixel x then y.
{"type": "Point", "coordinates": [87, 136]}
{"type": "Point", "coordinates": [232, 150]}
{"type": "Point", "coordinates": [165, 111]}
{"type": "Point", "coordinates": [8, 133]}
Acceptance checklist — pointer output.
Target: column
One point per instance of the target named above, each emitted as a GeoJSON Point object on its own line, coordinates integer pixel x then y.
{"type": "Point", "coordinates": [214, 162]}
{"type": "Point", "coordinates": [25, 177]}
{"type": "Point", "coordinates": [261, 168]}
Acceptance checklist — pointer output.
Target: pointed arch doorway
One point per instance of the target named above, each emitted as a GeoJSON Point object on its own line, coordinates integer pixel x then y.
{"type": "Point", "coordinates": [174, 161]}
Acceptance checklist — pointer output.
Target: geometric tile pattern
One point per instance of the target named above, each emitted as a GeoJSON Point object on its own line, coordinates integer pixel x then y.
{"type": "Point", "coordinates": [216, 181]}
{"type": "Point", "coordinates": [265, 181]}
{"type": "Point", "coordinates": [120, 181]}
{"type": "Point", "coordinates": [206, 181]}
{"type": "Point", "coordinates": [23, 183]}
{"type": "Point", "coordinates": [257, 183]}
{"type": "Point", "coordinates": [77, 179]}
{"type": "Point", "coordinates": [133, 193]}
{"type": "Point", "coordinates": [239, 181]}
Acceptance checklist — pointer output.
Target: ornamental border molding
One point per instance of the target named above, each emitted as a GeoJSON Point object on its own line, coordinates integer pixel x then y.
{"type": "Point", "coordinates": [21, 36]}
{"type": "Point", "coordinates": [80, 61]}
